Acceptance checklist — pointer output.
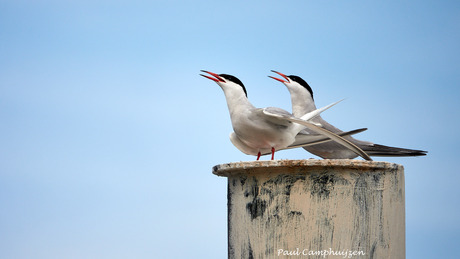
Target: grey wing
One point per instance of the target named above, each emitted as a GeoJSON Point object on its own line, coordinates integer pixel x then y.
{"type": "Point", "coordinates": [319, 130]}
{"type": "Point", "coordinates": [304, 138]}
{"type": "Point", "coordinates": [326, 125]}
{"type": "Point", "coordinates": [276, 115]}
{"type": "Point", "coordinates": [344, 142]}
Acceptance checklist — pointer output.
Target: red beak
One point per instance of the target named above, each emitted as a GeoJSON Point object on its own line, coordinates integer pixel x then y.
{"type": "Point", "coordinates": [216, 79]}
{"type": "Point", "coordinates": [279, 79]}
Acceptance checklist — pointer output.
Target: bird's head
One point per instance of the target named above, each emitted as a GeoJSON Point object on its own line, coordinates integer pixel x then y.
{"type": "Point", "coordinates": [226, 82]}
{"type": "Point", "coordinates": [293, 83]}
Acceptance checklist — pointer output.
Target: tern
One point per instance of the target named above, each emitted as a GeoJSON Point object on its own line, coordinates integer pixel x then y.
{"type": "Point", "coordinates": [303, 103]}
{"type": "Point", "coordinates": [260, 131]}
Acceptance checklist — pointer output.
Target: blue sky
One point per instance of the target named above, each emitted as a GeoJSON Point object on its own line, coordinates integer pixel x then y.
{"type": "Point", "coordinates": [109, 134]}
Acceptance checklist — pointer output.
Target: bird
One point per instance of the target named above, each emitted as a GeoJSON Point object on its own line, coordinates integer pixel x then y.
{"type": "Point", "coordinates": [258, 131]}
{"type": "Point", "coordinates": [303, 102]}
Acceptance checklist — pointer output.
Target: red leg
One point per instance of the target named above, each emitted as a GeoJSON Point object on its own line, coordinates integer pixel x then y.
{"type": "Point", "coordinates": [273, 153]}
{"type": "Point", "coordinates": [258, 155]}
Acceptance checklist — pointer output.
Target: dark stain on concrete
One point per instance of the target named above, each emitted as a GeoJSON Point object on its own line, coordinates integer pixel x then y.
{"type": "Point", "coordinates": [322, 184]}
{"type": "Point", "coordinates": [256, 208]}
{"type": "Point", "coordinates": [294, 213]}
{"type": "Point", "coordinates": [372, 251]}
{"type": "Point", "coordinates": [250, 253]}
{"type": "Point", "coordinates": [231, 250]}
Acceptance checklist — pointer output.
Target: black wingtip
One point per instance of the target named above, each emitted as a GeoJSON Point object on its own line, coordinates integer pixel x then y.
{"type": "Point", "coordinates": [381, 150]}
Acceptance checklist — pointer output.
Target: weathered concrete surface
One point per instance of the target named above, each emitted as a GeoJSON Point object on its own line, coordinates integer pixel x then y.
{"type": "Point", "coordinates": [302, 208]}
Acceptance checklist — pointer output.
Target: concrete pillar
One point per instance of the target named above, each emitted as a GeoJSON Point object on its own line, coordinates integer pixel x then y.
{"type": "Point", "coordinates": [315, 209]}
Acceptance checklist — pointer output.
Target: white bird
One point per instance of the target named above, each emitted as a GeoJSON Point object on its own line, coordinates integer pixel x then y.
{"type": "Point", "coordinates": [260, 131]}
{"type": "Point", "coordinates": [303, 103]}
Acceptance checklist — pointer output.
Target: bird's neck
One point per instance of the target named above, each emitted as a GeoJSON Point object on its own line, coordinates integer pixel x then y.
{"type": "Point", "coordinates": [302, 102]}
{"type": "Point", "coordinates": [237, 102]}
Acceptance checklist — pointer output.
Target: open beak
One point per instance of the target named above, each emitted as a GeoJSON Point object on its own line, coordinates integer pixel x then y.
{"type": "Point", "coordinates": [279, 79]}
{"type": "Point", "coordinates": [216, 79]}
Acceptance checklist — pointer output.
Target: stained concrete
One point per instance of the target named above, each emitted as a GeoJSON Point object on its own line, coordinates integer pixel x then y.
{"type": "Point", "coordinates": [313, 208]}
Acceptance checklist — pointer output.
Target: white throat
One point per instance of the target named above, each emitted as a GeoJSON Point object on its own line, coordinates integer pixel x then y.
{"type": "Point", "coordinates": [237, 101]}
{"type": "Point", "coordinates": [302, 101]}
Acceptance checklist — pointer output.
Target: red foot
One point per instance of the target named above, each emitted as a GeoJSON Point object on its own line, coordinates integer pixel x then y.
{"type": "Point", "coordinates": [258, 155]}
{"type": "Point", "coordinates": [273, 153]}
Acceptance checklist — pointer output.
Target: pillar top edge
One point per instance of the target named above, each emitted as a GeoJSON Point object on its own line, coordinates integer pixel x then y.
{"type": "Point", "coordinates": [237, 168]}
